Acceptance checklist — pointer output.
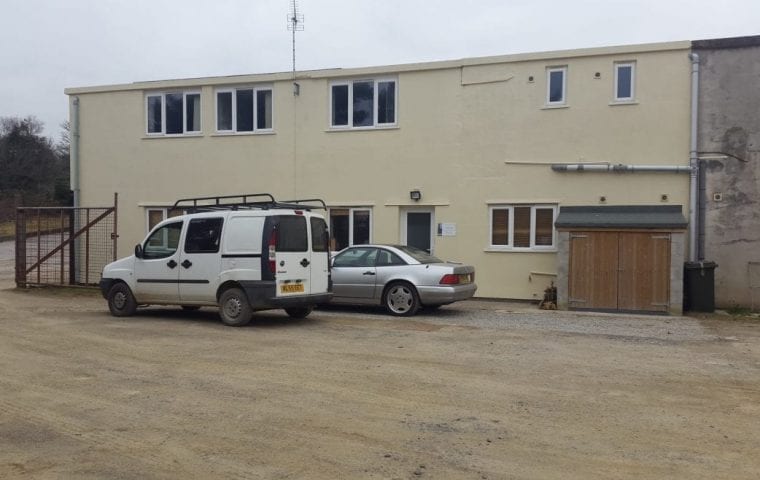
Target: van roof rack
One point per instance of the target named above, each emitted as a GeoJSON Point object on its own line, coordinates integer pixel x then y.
{"type": "Point", "coordinates": [246, 201]}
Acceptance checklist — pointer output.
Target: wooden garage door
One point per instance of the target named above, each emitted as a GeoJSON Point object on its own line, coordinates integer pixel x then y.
{"type": "Point", "coordinates": [627, 271]}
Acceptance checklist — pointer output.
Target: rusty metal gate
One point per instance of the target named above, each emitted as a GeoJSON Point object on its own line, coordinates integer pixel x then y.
{"type": "Point", "coordinates": [64, 245]}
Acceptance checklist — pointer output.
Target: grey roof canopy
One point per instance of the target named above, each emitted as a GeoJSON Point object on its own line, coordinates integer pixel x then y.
{"type": "Point", "coordinates": [622, 217]}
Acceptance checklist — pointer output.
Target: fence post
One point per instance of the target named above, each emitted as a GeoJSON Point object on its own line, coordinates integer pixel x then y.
{"type": "Point", "coordinates": [20, 248]}
{"type": "Point", "coordinates": [72, 250]}
{"type": "Point", "coordinates": [115, 234]}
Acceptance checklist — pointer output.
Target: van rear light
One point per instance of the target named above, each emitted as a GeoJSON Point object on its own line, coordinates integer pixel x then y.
{"type": "Point", "coordinates": [449, 279]}
{"type": "Point", "coordinates": [273, 251]}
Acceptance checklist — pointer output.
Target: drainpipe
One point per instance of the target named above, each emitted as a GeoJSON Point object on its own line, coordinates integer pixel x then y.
{"type": "Point", "coordinates": [693, 158]}
{"type": "Point", "coordinates": [74, 151]}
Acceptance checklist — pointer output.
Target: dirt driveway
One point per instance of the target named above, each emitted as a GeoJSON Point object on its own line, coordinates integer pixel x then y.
{"type": "Point", "coordinates": [479, 390]}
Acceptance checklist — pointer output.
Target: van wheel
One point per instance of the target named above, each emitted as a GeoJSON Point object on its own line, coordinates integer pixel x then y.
{"type": "Point", "coordinates": [234, 308]}
{"type": "Point", "coordinates": [299, 312]}
{"type": "Point", "coordinates": [121, 302]}
{"type": "Point", "coordinates": [401, 299]}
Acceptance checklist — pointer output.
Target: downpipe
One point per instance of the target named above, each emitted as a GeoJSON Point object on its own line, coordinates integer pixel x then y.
{"type": "Point", "coordinates": [693, 159]}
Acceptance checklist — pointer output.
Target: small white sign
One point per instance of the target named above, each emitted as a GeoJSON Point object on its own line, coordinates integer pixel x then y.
{"type": "Point", "coordinates": [447, 229]}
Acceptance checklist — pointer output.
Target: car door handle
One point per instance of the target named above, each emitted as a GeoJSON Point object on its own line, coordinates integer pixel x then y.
{"type": "Point", "coordinates": [305, 263]}
{"type": "Point", "coordinates": [368, 273]}
{"type": "Point", "coordinates": [187, 264]}
{"type": "Point", "coordinates": [171, 263]}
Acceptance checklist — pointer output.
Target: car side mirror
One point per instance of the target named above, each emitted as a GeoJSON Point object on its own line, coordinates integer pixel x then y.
{"type": "Point", "coordinates": [138, 251]}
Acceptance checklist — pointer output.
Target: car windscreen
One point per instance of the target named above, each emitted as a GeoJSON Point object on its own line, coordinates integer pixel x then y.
{"type": "Point", "coordinates": [420, 255]}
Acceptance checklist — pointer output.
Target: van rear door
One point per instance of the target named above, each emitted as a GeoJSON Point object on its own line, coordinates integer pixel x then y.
{"type": "Point", "coordinates": [292, 256]}
{"type": "Point", "coordinates": [320, 255]}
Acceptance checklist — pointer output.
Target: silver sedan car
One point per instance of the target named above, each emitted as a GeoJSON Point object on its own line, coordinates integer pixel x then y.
{"type": "Point", "coordinates": [402, 279]}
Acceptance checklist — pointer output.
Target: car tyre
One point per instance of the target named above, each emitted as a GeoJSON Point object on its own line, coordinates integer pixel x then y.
{"type": "Point", "coordinates": [401, 299]}
{"type": "Point", "coordinates": [234, 308]}
{"type": "Point", "coordinates": [299, 312]}
{"type": "Point", "coordinates": [121, 302]}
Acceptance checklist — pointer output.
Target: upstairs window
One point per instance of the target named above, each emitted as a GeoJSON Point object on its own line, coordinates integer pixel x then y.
{"type": "Point", "coordinates": [624, 81]}
{"type": "Point", "coordinates": [173, 113]}
{"type": "Point", "coordinates": [244, 110]}
{"type": "Point", "coordinates": [556, 85]}
{"type": "Point", "coordinates": [363, 103]}
{"type": "Point", "coordinates": [522, 227]}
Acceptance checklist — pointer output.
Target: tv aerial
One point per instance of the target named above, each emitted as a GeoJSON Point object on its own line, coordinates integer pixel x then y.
{"type": "Point", "coordinates": [295, 24]}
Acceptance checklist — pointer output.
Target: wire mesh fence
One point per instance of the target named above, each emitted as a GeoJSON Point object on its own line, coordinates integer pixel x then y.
{"type": "Point", "coordinates": [64, 245]}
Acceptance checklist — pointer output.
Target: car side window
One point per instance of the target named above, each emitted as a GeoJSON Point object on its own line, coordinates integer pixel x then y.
{"type": "Point", "coordinates": [386, 258]}
{"type": "Point", "coordinates": [356, 257]}
{"type": "Point", "coordinates": [163, 242]}
{"type": "Point", "coordinates": [203, 235]}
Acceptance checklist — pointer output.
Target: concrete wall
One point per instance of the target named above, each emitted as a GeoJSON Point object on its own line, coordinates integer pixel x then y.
{"type": "Point", "coordinates": [461, 127]}
{"type": "Point", "coordinates": [729, 121]}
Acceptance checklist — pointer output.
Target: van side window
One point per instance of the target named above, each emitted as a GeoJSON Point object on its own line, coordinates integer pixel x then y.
{"type": "Point", "coordinates": [319, 235]}
{"type": "Point", "coordinates": [291, 234]}
{"type": "Point", "coordinates": [163, 242]}
{"type": "Point", "coordinates": [203, 235]}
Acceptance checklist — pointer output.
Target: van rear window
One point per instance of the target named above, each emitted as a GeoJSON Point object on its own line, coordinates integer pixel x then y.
{"type": "Point", "coordinates": [291, 234]}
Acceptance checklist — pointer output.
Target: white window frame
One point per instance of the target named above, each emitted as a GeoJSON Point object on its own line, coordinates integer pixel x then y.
{"type": "Point", "coordinates": [351, 211]}
{"type": "Point", "coordinates": [163, 133]}
{"type": "Point", "coordinates": [511, 228]}
{"type": "Point", "coordinates": [632, 65]}
{"type": "Point", "coordinates": [164, 212]}
{"type": "Point", "coordinates": [375, 98]}
{"type": "Point", "coordinates": [233, 91]}
{"type": "Point", "coordinates": [549, 72]}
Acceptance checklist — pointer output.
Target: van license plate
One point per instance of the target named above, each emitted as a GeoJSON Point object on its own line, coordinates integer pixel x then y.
{"type": "Point", "coordinates": [292, 288]}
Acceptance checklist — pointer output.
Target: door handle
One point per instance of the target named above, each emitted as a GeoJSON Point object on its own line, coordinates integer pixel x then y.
{"type": "Point", "coordinates": [187, 263]}
{"type": "Point", "coordinates": [171, 263]}
{"type": "Point", "coordinates": [368, 273]}
{"type": "Point", "coordinates": [305, 263]}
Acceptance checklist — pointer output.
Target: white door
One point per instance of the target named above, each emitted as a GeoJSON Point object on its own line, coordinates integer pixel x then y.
{"type": "Point", "coordinates": [293, 256]}
{"type": "Point", "coordinates": [157, 272]}
{"type": "Point", "coordinates": [417, 228]}
{"type": "Point", "coordinates": [320, 255]}
{"type": "Point", "coordinates": [200, 262]}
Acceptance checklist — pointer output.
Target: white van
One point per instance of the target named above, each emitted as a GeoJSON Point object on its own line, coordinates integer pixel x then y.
{"type": "Point", "coordinates": [240, 253]}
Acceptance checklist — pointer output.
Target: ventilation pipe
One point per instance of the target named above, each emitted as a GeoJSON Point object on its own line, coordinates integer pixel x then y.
{"type": "Point", "coordinates": [620, 168]}
{"type": "Point", "coordinates": [693, 158]}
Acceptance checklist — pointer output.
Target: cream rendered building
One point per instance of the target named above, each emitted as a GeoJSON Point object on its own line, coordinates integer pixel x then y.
{"type": "Point", "coordinates": [475, 137]}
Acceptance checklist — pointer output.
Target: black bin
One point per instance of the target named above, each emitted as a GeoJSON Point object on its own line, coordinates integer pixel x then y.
{"type": "Point", "coordinates": [699, 286]}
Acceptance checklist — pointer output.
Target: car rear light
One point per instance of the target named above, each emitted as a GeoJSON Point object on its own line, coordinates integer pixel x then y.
{"type": "Point", "coordinates": [449, 279]}
{"type": "Point", "coordinates": [273, 252]}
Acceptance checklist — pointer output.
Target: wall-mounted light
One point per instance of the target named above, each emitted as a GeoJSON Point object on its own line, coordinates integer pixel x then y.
{"type": "Point", "coordinates": [415, 195]}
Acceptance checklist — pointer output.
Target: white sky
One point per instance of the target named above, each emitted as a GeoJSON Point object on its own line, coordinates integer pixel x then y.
{"type": "Point", "coordinates": [48, 45]}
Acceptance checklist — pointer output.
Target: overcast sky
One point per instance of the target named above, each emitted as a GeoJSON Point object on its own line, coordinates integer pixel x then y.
{"type": "Point", "coordinates": [48, 45]}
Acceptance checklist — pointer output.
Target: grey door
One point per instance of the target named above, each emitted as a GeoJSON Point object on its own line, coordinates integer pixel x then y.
{"type": "Point", "coordinates": [353, 275]}
{"type": "Point", "coordinates": [418, 233]}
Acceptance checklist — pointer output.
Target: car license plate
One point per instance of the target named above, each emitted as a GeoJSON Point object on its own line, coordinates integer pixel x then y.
{"type": "Point", "coordinates": [292, 288]}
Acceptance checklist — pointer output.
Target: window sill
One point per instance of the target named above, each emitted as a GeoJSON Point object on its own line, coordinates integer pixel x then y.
{"type": "Point", "coordinates": [623, 102]}
{"type": "Point", "coordinates": [184, 135]}
{"type": "Point", "coordinates": [519, 250]}
{"type": "Point", "coordinates": [555, 107]}
{"type": "Point", "coordinates": [360, 129]}
{"type": "Point", "coordinates": [242, 134]}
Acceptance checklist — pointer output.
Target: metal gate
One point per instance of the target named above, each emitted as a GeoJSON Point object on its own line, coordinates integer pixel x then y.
{"type": "Point", "coordinates": [64, 245]}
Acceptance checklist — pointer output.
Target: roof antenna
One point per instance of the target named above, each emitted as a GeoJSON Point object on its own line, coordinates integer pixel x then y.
{"type": "Point", "coordinates": [295, 24]}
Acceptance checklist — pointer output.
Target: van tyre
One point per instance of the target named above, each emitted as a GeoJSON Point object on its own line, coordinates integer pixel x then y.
{"type": "Point", "coordinates": [401, 299]}
{"type": "Point", "coordinates": [121, 302]}
{"type": "Point", "coordinates": [234, 308]}
{"type": "Point", "coordinates": [299, 312]}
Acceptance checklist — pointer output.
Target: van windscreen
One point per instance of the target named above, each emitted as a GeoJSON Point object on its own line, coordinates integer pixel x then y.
{"type": "Point", "coordinates": [291, 234]}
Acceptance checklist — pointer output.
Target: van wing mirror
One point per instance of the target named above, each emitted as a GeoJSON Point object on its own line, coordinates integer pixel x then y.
{"type": "Point", "coordinates": [138, 251]}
